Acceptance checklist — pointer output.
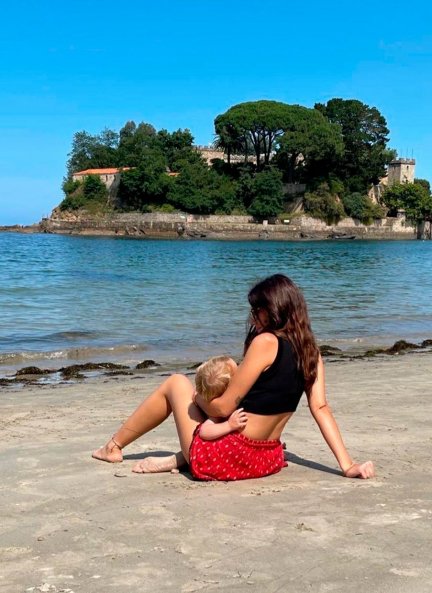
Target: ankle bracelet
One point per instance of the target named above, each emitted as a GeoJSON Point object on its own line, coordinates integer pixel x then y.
{"type": "Point", "coordinates": [116, 443]}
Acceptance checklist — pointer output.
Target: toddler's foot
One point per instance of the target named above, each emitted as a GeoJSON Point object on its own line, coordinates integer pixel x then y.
{"type": "Point", "coordinates": [110, 452]}
{"type": "Point", "coordinates": [155, 465]}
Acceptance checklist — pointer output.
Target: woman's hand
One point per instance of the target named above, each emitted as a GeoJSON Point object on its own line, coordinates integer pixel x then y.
{"type": "Point", "coordinates": [360, 470]}
{"type": "Point", "coordinates": [238, 420]}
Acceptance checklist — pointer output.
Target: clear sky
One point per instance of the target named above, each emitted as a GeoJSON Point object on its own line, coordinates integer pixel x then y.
{"type": "Point", "coordinates": [89, 64]}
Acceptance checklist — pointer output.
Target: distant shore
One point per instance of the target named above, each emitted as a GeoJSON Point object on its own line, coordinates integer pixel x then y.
{"type": "Point", "coordinates": [20, 228]}
{"type": "Point", "coordinates": [213, 227]}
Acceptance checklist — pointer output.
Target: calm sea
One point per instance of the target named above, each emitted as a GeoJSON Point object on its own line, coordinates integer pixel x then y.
{"type": "Point", "coordinates": [79, 298]}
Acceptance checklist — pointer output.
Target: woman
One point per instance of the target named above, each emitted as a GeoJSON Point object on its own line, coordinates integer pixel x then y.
{"type": "Point", "coordinates": [281, 361]}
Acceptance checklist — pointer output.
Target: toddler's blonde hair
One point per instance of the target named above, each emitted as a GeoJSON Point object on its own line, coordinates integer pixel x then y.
{"type": "Point", "coordinates": [212, 376]}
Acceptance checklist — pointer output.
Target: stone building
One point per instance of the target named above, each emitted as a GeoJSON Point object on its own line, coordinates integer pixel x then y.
{"type": "Point", "coordinates": [399, 171]}
{"type": "Point", "coordinates": [109, 176]}
{"type": "Point", "coordinates": [209, 153]}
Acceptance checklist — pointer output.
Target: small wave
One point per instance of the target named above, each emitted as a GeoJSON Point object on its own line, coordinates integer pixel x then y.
{"type": "Point", "coordinates": [86, 353]}
{"type": "Point", "coordinates": [61, 336]}
{"type": "Point", "coordinates": [17, 357]}
{"type": "Point", "coordinates": [74, 334]}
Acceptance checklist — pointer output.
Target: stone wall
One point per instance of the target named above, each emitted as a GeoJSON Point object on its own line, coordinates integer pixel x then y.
{"type": "Point", "coordinates": [397, 228]}
{"type": "Point", "coordinates": [178, 225]}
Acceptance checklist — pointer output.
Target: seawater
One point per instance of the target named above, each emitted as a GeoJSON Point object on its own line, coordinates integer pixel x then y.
{"type": "Point", "coordinates": [65, 298]}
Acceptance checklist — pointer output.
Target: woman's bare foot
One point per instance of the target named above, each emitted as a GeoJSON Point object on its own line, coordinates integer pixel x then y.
{"type": "Point", "coordinates": [155, 465]}
{"type": "Point", "coordinates": [110, 452]}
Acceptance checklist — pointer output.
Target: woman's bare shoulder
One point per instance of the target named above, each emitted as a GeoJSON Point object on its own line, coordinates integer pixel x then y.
{"type": "Point", "coordinates": [264, 340]}
{"type": "Point", "coordinates": [262, 344]}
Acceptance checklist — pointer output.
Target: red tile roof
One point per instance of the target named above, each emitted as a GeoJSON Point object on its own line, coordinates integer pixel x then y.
{"type": "Point", "coordinates": [108, 171]}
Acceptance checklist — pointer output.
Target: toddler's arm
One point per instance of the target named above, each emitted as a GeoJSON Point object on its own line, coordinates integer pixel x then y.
{"type": "Point", "coordinates": [211, 429]}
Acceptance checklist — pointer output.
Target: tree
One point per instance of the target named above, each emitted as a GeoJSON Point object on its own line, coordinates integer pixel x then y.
{"type": "Point", "coordinates": [267, 191]}
{"type": "Point", "coordinates": [134, 140]}
{"type": "Point", "coordinates": [198, 189]}
{"type": "Point", "coordinates": [92, 151]}
{"type": "Point", "coordinates": [360, 206]}
{"type": "Point", "coordinates": [91, 193]}
{"type": "Point", "coordinates": [81, 154]}
{"type": "Point", "coordinates": [245, 189]}
{"type": "Point", "coordinates": [323, 204]}
{"type": "Point", "coordinates": [365, 136]}
{"type": "Point", "coordinates": [256, 124]}
{"type": "Point", "coordinates": [411, 197]}
{"type": "Point", "coordinates": [145, 184]}
{"type": "Point", "coordinates": [109, 138]}
{"type": "Point", "coordinates": [176, 146]}
{"type": "Point", "coordinates": [74, 198]}
{"type": "Point", "coordinates": [230, 140]}
{"type": "Point", "coordinates": [94, 189]}
{"type": "Point", "coordinates": [425, 183]}
{"type": "Point", "coordinates": [310, 145]}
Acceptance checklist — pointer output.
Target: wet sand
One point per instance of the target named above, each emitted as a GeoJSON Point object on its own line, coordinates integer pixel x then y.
{"type": "Point", "coordinates": [72, 524]}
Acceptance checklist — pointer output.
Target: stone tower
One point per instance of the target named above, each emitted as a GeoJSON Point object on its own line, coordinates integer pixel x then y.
{"type": "Point", "coordinates": [401, 171]}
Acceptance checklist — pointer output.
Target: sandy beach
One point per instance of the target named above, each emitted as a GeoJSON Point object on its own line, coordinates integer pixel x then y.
{"type": "Point", "coordinates": [72, 524]}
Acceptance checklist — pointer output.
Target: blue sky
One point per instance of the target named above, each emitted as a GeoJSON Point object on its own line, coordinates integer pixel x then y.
{"type": "Point", "coordinates": [88, 64]}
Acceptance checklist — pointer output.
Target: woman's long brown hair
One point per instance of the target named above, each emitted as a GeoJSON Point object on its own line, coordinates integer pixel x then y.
{"type": "Point", "coordinates": [288, 318]}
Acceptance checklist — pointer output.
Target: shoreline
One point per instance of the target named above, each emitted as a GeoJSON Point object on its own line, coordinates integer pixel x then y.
{"type": "Point", "coordinates": [183, 226]}
{"type": "Point", "coordinates": [72, 524]}
{"type": "Point", "coordinates": [39, 373]}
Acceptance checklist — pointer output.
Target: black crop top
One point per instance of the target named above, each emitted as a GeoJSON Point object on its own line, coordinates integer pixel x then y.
{"type": "Point", "coordinates": [278, 389]}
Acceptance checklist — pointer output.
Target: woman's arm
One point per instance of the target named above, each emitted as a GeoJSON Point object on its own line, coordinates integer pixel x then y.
{"type": "Point", "coordinates": [260, 355]}
{"type": "Point", "coordinates": [323, 416]}
{"type": "Point", "coordinates": [211, 430]}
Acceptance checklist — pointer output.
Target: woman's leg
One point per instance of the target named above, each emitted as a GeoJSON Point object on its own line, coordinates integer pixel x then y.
{"type": "Point", "coordinates": [173, 395]}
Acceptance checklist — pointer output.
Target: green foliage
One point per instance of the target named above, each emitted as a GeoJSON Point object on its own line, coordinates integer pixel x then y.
{"type": "Point", "coordinates": [425, 183]}
{"type": "Point", "coordinates": [310, 145]}
{"type": "Point", "coordinates": [89, 194]}
{"type": "Point", "coordinates": [323, 204]}
{"type": "Point", "coordinates": [244, 188]}
{"type": "Point", "coordinates": [365, 136]}
{"type": "Point", "coordinates": [134, 142]}
{"type": "Point", "coordinates": [176, 146]}
{"type": "Point", "coordinates": [411, 197]}
{"type": "Point", "coordinates": [361, 207]}
{"type": "Point", "coordinates": [94, 189]}
{"type": "Point", "coordinates": [147, 183]}
{"type": "Point", "coordinates": [256, 125]}
{"type": "Point", "coordinates": [187, 156]}
{"type": "Point", "coordinates": [267, 191]}
{"type": "Point", "coordinates": [239, 211]}
{"type": "Point", "coordinates": [74, 201]}
{"type": "Point", "coordinates": [69, 186]}
{"type": "Point", "coordinates": [89, 152]}
{"type": "Point", "coordinates": [167, 208]}
{"type": "Point", "coordinates": [336, 186]}
{"type": "Point", "coordinates": [337, 149]}
{"type": "Point", "coordinates": [201, 190]}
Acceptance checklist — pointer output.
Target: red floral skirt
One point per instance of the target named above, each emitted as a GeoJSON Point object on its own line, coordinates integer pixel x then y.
{"type": "Point", "coordinates": [234, 457]}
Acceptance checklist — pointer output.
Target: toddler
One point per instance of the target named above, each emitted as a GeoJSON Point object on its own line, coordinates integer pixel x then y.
{"type": "Point", "coordinates": [211, 380]}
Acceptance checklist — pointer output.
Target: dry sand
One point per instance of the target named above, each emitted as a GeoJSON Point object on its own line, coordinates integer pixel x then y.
{"type": "Point", "coordinates": [72, 524]}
